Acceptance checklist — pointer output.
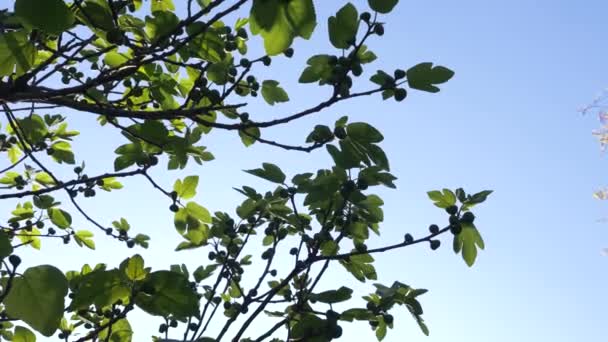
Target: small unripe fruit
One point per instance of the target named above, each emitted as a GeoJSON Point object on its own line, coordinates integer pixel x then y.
{"type": "Point", "coordinates": [435, 244]}
{"type": "Point", "coordinates": [455, 229]}
{"type": "Point", "coordinates": [452, 210]}
{"type": "Point", "coordinates": [15, 260]}
{"type": "Point", "coordinates": [362, 184]}
{"type": "Point", "coordinates": [340, 132]}
{"type": "Point", "coordinates": [400, 94]}
{"type": "Point", "coordinates": [379, 29]}
{"type": "Point", "coordinates": [366, 16]}
{"type": "Point", "coordinates": [467, 217]}
{"type": "Point", "coordinates": [408, 238]}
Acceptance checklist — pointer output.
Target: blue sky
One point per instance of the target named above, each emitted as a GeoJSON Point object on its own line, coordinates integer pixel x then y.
{"type": "Point", "coordinates": [508, 121]}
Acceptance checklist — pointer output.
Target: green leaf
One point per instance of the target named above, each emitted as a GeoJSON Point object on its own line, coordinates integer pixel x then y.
{"type": "Point", "coordinates": [134, 268]}
{"type": "Point", "coordinates": [199, 212]}
{"type": "Point", "coordinates": [344, 26]}
{"type": "Point", "coordinates": [23, 335]}
{"type": "Point", "coordinates": [170, 294]}
{"type": "Point", "coordinates": [365, 56]}
{"type": "Point", "coordinates": [37, 298]}
{"type": "Point", "coordinates": [50, 16]}
{"type": "Point", "coordinates": [120, 332]}
{"type": "Point", "coordinates": [424, 76]}
{"type": "Point", "coordinates": [364, 133]}
{"type": "Point", "coordinates": [96, 14]}
{"type": "Point", "coordinates": [442, 199]}
{"type": "Point", "coordinates": [83, 237]}
{"type": "Point", "coordinates": [62, 152]}
{"type": "Point", "coordinates": [17, 53]}
{"type": "Point", "coordinates": [333, 296]}
{"type": "Point", "coordinates": [467, 243]}
{"type": "Point", "coordinates": [202, 273]}
{"type": "Point", "coordinates": [218, 73]}
{"type": "Point", "coordinates": [44, 178]}
{"type": "Point", "coordinates": [382, 6]}
{"type": "Point", "coordinates": [115, 59]}
{"type": "Point", "coordinates": [269, 172]}
{"type": "Point", "coordinates": [273, 93]}
{"type": "Point", "coordinates": [6, 248]}
{"type": "Point", "coordinates": [249, 135]}
{"type": "Point", "coordinates": [110, 184]}
{"type": "Point", "coordinates": [60, 218]}
{"type": "Point", "coordinates": [381, 329]}
{"type": "Point", "coordinates": [101, 288]}
{"type": "Point", "coordinates": [279, 22]}
{"type": "Point", "coordinates": [186, 189]}
{"type": "Point", "coordinates": [160, 24]}
{"type": "Point", "coordinates": [162, 5]}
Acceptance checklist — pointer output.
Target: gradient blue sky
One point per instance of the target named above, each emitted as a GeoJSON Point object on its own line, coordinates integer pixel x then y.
{"type": "Point", "coordinates": [508, 121]}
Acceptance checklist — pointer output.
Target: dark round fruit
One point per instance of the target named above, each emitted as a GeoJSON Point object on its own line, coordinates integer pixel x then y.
{"type": "Point", "coordinates": [340, 132]}
{"type": "Point", "coordinates": [293, 251]}
{"type": "Point", "coordinates": [116, 37]}
{"type": "Point", "coordinates": [388, 319]}
{"type": "Point", "coordinates": [399, 74]}
{"type": "Point", "coordinates": [467, 217]}
{"type": "Point", "coordinates": [400, 94]}
{"type": "Point", "coordinates": [108, 231]}
{"type": "Point", "coordinates": [455, 229]}
{"type": "Point", "coordinates": [242, 33]}
{"type": "Point", "coordinates": [288, 52]}
{"type": "Point", "coordinates": [245, 63]}
{"type": "Point", "coordinates": [366, 16]}
{"type": "Point", "coordinates": [162, 328]}
{"type": "Point", "coordinates": [77, 169]}
{"type": "Point", "coordinates": [379, 29]}
{"type": "Point", "coordinates": [211, 255]}
{"type": "Point", "coordinates": [130, 243]}
{"type": "Point", "coordinates": [349, 185]}
{"type": "Point", "coordinates": [284, 193]}
{"type": "Point", "coordinates": [266, 60]}
{"type": "Point", "coordinates": [273, 273]}
{"type": "Point", "coordinates": [51, 231]}
{"type": "Point", "coordinates": [361, 247]}
{"type": "Point", "coordinates": [371, 306]}
{"type": "Point", "coordinates": [434, 229]}
{"type": "Point", "coordinates": [153, 160]}
{"type": "Point", "coordinates": [173, 207]}
{"type": "Point", "coordinates": [452, 210]}
{"type": "Point", "coordinates": [15, 260]}
{"type": "Point", "coordinates": [362, 184]}
{"type": "Point", "coordinates": [408, 238]}
{"type": "Point", "coordinates": [39, 224]}
{"type": "Point", "coordinates": [192, 326]}
{"type": "Point", "coordinates": [173, 323]}
{"type": "Point", "coordinates": [435, 244]}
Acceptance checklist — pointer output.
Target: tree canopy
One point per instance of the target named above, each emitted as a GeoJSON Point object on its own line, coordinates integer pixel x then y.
{"type": "Point", "coordinates": [164, 74]}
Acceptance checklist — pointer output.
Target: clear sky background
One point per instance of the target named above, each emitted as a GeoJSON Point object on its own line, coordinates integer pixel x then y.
{"type": "Point", "coordinates": [508, 121]}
